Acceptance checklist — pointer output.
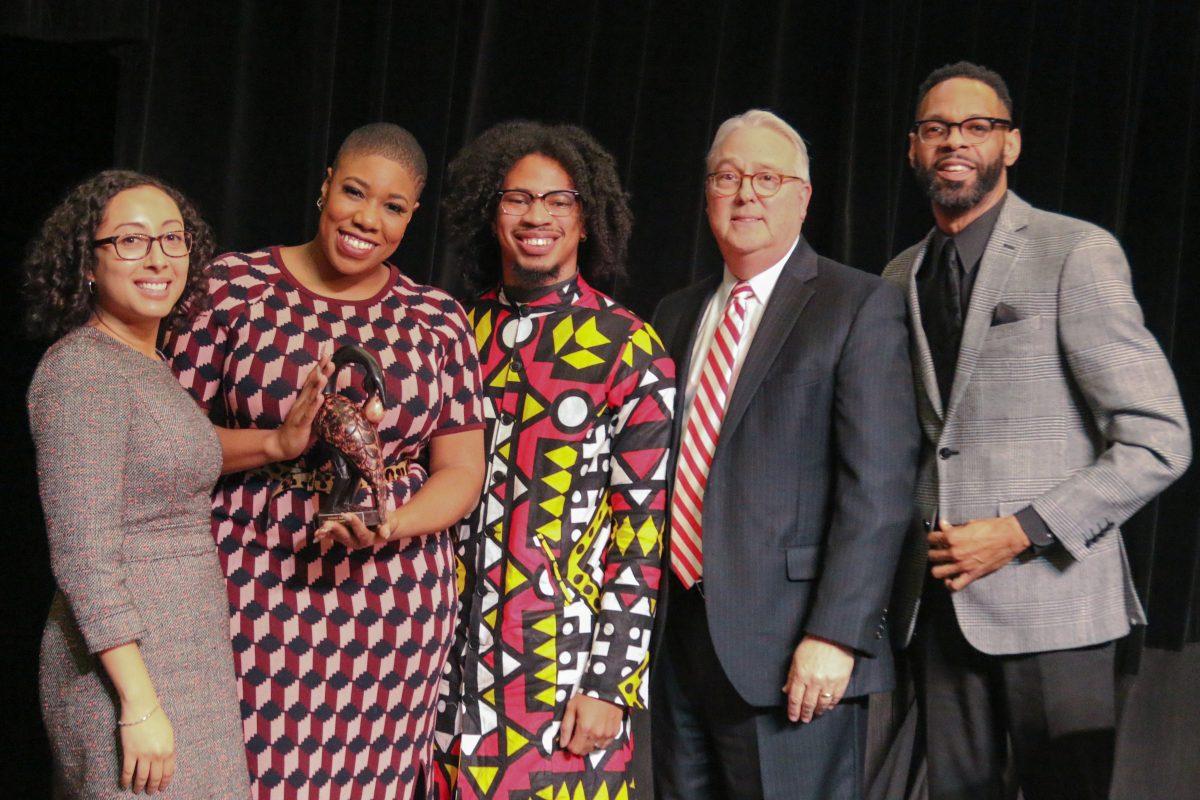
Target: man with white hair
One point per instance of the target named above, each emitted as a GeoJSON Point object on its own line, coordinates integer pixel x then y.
{"type": "Point", "coordinates": [796, 447]}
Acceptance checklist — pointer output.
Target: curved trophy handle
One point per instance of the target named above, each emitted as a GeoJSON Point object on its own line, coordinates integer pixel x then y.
{"type": "Point", "coordinates": [352, 354]}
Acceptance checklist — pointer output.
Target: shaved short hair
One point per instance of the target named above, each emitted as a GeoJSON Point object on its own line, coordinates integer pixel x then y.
{"type": "Point", "coordinates": [390, 141]}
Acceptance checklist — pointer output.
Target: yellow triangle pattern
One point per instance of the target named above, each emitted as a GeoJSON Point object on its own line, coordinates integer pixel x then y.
{"type": "Point", "coordinates": [513, 740]}
{"type": "Point", "coordinates": [573, 789]}
{"type": "Point", "coordinates": [559, 481]}
{"type": "Point", "coordinates": [554, 505]}
{"type": "Point", "coordinates": [483, 328]}
{"type": "Point", "coordinates": [579, 578]}
{"type": "Point", "coordinates": [588, 336]}
{"type": "Point", "coordinates": [562, 332]}
{"type": "Point", "coordinates": [484, 776]}
{"type": "Point", "coordinates": [512, 578]}
{"type": "Point", "coordinates": [551, 530]}
{"type": "Point", "coordinates": [547, 625]}
{"type": "Point", "coordinates": [532, 408]}
{"type": "Point", "coordinates": [630, 686]}
{"type": "Point", "coordinates": [564, 456]}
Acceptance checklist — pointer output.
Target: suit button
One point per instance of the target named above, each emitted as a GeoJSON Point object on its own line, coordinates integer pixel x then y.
{"type": "Point", "coordinates": [516, 366]}
{"type": "Point", "coordinates": [946, 452]}
{"type": "Point", "coordinates": [506, 418]}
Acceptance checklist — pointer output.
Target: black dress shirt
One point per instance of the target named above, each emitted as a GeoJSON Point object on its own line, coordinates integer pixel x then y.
{"type": "Point", "coordinates": [971, 243]}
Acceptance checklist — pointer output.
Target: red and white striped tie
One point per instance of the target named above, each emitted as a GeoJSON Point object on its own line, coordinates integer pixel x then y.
{"type": "Point", "coordinates": [700, 438]}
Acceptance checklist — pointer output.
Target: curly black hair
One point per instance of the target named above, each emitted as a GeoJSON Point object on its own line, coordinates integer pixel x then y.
{"type": "Point", "coordinates": [59, 258]}
{"type": "Point", "coordinates": [479, 170]}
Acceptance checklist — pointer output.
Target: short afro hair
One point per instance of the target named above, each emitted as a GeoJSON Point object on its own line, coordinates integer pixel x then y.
{"type": "Point", "coordinates": [390, 141]}
{"type": "Point", "coordinates": [966, 69]}
{"type": "Point", "coordinates": [60, 257]}
{"type": "Point", "coordinates": [478, 172]}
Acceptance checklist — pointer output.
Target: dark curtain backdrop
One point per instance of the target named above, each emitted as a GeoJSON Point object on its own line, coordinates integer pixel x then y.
{"type": "Point", "coordinates": [243, 104]}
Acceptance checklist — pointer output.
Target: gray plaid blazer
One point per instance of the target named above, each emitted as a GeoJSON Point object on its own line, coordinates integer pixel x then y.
{"type": "Point", "coordinates": [1071, 407]}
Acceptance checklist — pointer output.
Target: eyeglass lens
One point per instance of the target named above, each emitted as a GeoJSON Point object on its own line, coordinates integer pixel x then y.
{"type": "Point", "coordinates": [132, 246]}
{"type": "Point", "coordinates": [518, 202]}
{"type": "Point", "coordinates": [973, 129]}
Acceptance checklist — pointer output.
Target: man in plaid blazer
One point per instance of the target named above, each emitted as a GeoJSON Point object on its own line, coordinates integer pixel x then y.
{"type": "Point", "coordinates": [1050, 416]}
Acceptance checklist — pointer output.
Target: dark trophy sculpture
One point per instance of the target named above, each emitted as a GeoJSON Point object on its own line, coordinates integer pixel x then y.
{"type": "Point", "coordinates": [348, 442]}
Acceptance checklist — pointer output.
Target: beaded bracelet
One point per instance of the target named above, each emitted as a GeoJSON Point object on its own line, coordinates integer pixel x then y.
{"type": "Point", "coordinates": [139, 720]}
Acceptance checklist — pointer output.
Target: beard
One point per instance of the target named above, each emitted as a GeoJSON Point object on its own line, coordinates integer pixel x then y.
{"type": "Point", "coordinates": [954, 196]}
{"type": "Point", "coordinates": [525, 277]}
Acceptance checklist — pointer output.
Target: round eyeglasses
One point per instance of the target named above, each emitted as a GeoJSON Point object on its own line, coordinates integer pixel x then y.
{"type": "Point", "coordinates": [765, 184]}
{"type": "Point", "coordinates": [133, 246]}
{"type": "Point", "coordinates": [974, 130]}
{"type": "Point", "coordinates": [559, 203]}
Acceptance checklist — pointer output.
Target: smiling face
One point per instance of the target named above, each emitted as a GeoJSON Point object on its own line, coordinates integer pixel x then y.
{"type": "Point", "coordinates": [137, 294]}
{"type": "Point", "coordinates": [962, 179]}
{"type": "Point", "coordinates": [537, 249]}
{"type": "Point", "coordinates": [368, 202]}
{"type": "Point", "coordinates": [753, 232]}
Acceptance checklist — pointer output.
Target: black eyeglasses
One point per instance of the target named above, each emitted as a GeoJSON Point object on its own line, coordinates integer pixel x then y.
{"type": "Point", "coordinates": [559, 203]}
{"type": "Point", "coordinates": [133, 246]}
{"type": "Point", "coordinates": [974, 130]}
{"type": "Point", "coordinates": [765, 184]}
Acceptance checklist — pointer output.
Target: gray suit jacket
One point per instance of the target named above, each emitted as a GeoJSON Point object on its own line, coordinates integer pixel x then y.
{"type": "Point", "coordinates": [810, 488]}
{"type": "Point", "coordinates": [1072, 408]}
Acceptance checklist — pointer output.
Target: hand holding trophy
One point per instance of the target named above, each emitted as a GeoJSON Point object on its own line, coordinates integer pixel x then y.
{"type": "Point", "coordinates": [349, 443]}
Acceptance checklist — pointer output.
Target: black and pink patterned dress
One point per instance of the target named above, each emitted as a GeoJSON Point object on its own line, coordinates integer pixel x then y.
{"type": "Point", "coordinates": [338, 653]}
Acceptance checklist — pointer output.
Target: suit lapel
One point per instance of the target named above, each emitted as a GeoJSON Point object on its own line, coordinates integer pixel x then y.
{"type": "Point", "coordinates": [925, 371]}
{"type": "Point", "coordinates": [1006, 242]}
{"type": "Point", "coordinates": [788, 299]}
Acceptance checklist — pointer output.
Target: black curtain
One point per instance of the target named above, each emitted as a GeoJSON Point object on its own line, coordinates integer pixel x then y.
{"type": "Point", "coordinates": [242, 105]}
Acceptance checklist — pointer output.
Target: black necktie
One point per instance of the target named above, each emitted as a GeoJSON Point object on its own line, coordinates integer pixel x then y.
{"type": "Point", "coordinates": [947, 286]}
{"type": "Point", "coordinates": [951, 277]}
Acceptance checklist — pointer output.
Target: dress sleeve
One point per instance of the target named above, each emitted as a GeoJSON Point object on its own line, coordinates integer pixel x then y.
{"type": "Point", "coordinates": [461, 386]}
{"type": "Point", "coordinates": [197, 354]}
{"type": "Point", "coordinates": [642, 398]}
{"type": "Point", "coordinates": [79, 413]}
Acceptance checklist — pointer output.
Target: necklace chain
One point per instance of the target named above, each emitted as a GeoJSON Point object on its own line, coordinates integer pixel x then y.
{"type": "Point", "coordinates": [100, 321]}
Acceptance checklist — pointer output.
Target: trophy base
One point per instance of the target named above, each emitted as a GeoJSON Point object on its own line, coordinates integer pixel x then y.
{"type": "Point", "coordinates": [370, 516]}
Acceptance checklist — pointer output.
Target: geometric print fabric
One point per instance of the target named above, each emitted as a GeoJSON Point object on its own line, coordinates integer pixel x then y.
{"type": "Point", "coordinates": [337, 653]}
{"type": "Point", "coordinates": [561, 560]}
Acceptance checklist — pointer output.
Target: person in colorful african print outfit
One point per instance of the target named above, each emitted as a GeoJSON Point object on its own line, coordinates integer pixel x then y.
{"type": "Point", "coordinates": [340, 632]}
{"type": "Point", "coordinates": [562, 557]}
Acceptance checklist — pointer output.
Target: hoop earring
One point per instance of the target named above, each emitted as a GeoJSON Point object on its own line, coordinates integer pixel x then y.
{"type": "Point", "coordinates": [583, 237]}
{"type": "Point", "coordinates": [320, 202]}
{"type": "Point", "coordinates": [91, 286]}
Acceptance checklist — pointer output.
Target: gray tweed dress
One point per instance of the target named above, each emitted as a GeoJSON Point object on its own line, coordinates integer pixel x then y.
{"type": "Point", "coordinates": [126, 463]}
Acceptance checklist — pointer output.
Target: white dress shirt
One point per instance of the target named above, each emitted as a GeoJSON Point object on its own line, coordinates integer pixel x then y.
{"type": "Point", "coordinates": [763, 284]}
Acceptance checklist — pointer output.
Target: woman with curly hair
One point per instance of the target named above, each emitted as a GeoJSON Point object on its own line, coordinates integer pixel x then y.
{"type": "Point", "coordinates": [561, 560]}
{"type": "Point", "coordinates": [136, 637]}
{"type": "Point", "coordinates": [340, 631]}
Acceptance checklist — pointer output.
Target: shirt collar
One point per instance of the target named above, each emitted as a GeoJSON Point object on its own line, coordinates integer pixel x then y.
{"type": "Point", "coordinates": [972, 240]}
{"type": "Point", "coordinates": [557, 294]}
{"type": "Point", "coordinates": [763, 283]}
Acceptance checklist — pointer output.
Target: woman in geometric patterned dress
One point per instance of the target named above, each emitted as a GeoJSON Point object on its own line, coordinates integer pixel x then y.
{"type": "Point", "coordinates": [340, 633]}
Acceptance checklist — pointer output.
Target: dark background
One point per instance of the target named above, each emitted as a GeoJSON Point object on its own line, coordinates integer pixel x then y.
{"type": "Point", "coordinates": [242, 104]}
